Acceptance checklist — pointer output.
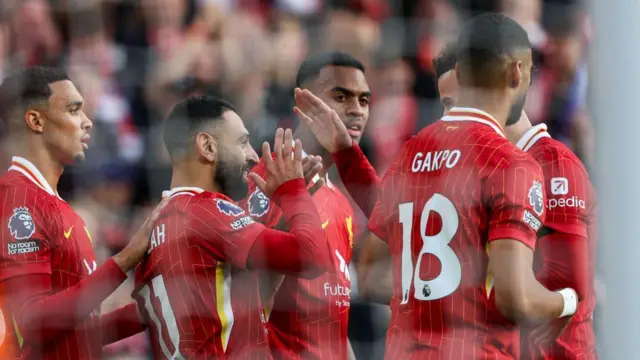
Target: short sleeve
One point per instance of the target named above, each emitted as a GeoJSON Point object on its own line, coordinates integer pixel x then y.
{"type": "Point", "coordinates": [569, 195]}
{"type": "Point", "coordinates": [258, 205]}
{"type": "Point", "coordinates": [515, 199]}
{"type": "Point", "coordinates": [26, 232]}
{"type": "Point", "coordinates": [224, 228]}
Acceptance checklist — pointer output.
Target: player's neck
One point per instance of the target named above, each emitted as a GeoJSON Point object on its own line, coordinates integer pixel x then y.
{"type": "Point", "coordinates": [188, 174]}
{"type": "Point", "coordinates": [516, 131]}
{"type": "Point", "coordinates": [491, 102]}
{"type": "Point", "coordinates": [38, 154]}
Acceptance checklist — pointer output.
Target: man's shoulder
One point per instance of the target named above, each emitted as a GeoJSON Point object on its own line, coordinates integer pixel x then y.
{"type": "Point", "coordinates": [16, 190]}
{"type": "Point", "coordinates": [556, 158]}
{"type": "Point", "coordinates": [27, 211]}
{"type": "Point", "coordinates": [469, 136]}
{"type": "Point", "coordinates": [13, 180]}
{"type": "Point", "coordinates": [455, 148]}
{"type": "Point", "coordinates": [214, 210]}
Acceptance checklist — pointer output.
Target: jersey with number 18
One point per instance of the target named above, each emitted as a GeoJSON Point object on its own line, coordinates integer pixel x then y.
{"type": "Point", "coordinates": [455, 187]}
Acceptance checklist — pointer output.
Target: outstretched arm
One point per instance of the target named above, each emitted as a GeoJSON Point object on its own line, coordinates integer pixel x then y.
{"type": "Point", "coordinates": [42, 315]}
{"type": "Point", "coordinates": [41, 312]}
{"type": "Point", "coordinates": [121, 323]}
{"type": "Point", "coordinates": [374, 277]}
{"type": "Point", "coordinates": [357, 174]}
{"type": "Point", "coordinates": [303, 250]}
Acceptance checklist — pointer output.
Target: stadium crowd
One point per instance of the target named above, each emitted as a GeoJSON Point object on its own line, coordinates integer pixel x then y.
{"type": "Point", "coordinates": [133, 61]}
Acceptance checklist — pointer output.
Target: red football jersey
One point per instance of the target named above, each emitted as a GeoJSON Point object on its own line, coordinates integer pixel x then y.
{"type": "Point", "coordinates": [194, 289]}
{"type": "Point", "coordinates": [454, 187]}
{"type": "Point", "coordinates": [42, 234]}
{"type": "Point", "coordinates": [309, 318]}
{"type": "Point", "coordinates": [571, 209]}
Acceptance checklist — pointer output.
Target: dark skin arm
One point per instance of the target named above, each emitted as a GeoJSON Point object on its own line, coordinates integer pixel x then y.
{"type": "Point", "coordinates": [374, 275]}
{"type": "Point", "coordinates": [519, 296]}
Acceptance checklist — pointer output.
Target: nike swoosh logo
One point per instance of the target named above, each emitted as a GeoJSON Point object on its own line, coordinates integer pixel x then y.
{"type": "Point", "coordinates": [68, 233]}
{"type": "Point", "coordinates": [325, 224]}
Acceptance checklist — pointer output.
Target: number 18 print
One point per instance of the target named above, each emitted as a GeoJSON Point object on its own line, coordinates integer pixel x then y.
{"type": "Point", "coordinates": [438, 245]}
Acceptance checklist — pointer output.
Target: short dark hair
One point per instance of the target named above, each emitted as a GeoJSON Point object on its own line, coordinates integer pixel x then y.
{"type": "Point", "coordinates": [485, 44]}
{"type": "Point", "coordinates": [560, 20]}
{"type": "Point", "coordinates": [445, 61]}
{"type": "Point", "coordinates": [187, 118]}
{"type": "Point", "coordinates": [312, 66]}
{"type": "Point", "coordinates": [26, 88]}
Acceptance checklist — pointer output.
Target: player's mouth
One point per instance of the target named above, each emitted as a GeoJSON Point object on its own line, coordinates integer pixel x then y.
{"type": "Point", "coordinates": [246, 169]}
{"type": "Point", "coordinates": [355, 130]}
{"type": "Point", "coordinates": [85, 141]}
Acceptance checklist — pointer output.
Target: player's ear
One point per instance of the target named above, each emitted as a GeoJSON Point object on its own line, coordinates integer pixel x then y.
{"type": "Point", "coordinates": [515, 74]}
{"type": "Point", "coordinates": [34, 120]}
{"type": "Point", "coordinates": [206, 146]}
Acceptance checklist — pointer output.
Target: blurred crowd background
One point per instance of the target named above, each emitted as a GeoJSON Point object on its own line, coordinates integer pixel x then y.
{"type": "Point", "coordinates": [134, 59]}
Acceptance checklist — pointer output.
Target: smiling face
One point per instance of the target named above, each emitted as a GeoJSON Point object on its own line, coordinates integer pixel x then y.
{"type": "Point", "coordinates": [64, 126]}
{"type": "Point", "coordinates": [345, 89]}
{"type": "Point", "coordinates": [234, 156]}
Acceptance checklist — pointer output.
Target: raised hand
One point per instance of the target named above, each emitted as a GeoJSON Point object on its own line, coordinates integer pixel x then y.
{"type": "Point", "coordinates": [323, 121]}
{"type": "Point", "coordinates": [135, 250]}
{"type": "Point", "coordinates": [287, 164]}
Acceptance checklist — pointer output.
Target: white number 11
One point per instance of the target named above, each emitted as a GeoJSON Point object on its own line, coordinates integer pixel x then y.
{"type": "Point", "coordinates": [437, 245]}
{"type": "Point", "coordinates": [169, 319]}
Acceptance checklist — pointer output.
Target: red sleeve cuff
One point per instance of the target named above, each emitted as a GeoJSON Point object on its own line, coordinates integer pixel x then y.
{"type": "Point", "coordinates": [25, 269]}
{"type": "Point", "coordinates": [290, 188]}
{"type": "Point", "coordinates": [345, 155]}
{"type": "Point", "coordinates": [525, 237]}
{"type": "Point", "coordinates": [572, 229]}
{"type": "Point", "coordinates": [120, 324]}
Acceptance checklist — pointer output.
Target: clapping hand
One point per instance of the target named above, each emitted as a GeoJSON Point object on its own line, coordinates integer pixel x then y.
{"type": "Point", "coordinates": [323, 121]}
{"type": "Point", "coordinates": [285, 166]}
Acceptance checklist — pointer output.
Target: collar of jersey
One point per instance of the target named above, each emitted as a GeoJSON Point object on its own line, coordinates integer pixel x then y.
{"type": "Point", "coordinates": [531, 136]}
{"type": "Point", "coordinates": [185, 190]}
{"type": "Point", "coordinates": [472, 114]}
{"type": "Point", "coordinates": [31, 172]}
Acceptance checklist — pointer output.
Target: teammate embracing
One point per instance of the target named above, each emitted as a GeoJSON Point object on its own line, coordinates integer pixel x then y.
{"type": "Point", "coordinates": [460, 208]}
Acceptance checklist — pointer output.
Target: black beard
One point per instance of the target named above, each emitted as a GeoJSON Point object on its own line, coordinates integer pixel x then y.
{"type": "Point", "coordinates": [516, 110]}
{"type": "Point", "coordinates": [79, 159]}
{"type": "Point", "coordinates": [231, 181]}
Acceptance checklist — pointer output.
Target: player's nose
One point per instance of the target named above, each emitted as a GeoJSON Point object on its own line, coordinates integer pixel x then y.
{"type": "Point", "coordinates": [252, 156]}
{"type": "Point", "coordinates": [355, 109]}
{"type": "Point", "coordinates": [87, 124]}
